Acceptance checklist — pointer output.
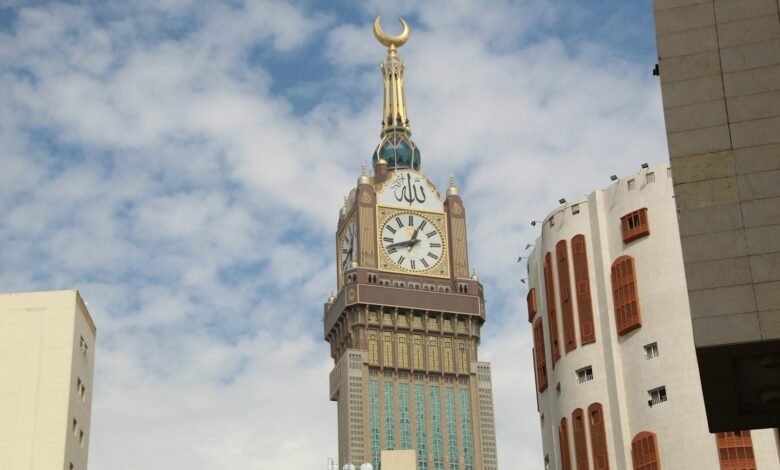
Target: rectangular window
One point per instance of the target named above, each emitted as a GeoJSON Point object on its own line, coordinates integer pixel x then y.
{"type": "Point", "coordinates": [436, 426]}
{"type": "Point", "coordinates": [657, 395]}
{"type": "Point", "coordinates": [575, 209]}
{"type": "Point", "coordinates": [449, 363]}
{"type": "Point", "coordinates": [389, 402]}
{"type": "Point", "coordinates": [419, 427]}
{"type": "Point", "coordinates": [373, 415]}
{"type": "Point", "coordinates": [631, 184]}
{"type": "Point", "coordinates": [417, 353]}
{"type": "Point", "coordinates": [624, 295]}
{"type": "Point", "coordinates": [402, 320]}
{"type": "Point", "coordinates": [372, 316]}
{"type": "Point", "coordinates": [433, 353]}
{"type": "Point", "coordinates": [447, 325]}
{"type": "Point", "coordinates": [417, 322]}
{"type": "Point", "coordinates": [81, 438]}
{"type": "Point", "coordinates": [585, 374]}
{"type": "Point", "coordinates": [635, 225]}
{"type": "Point", "coordinates": [651, 350]}
{"type": "Point", "coordinates": [75, 425]}
{"type": "Point", "coordinates": [403, 415]}
{"type": "Point", "coordinates": [462, 363]}
{"type": "Point", "coordinates": [387, 349]}
{"type": "Point", "coordinates": [650, 177]}
{"type": "Point", "coordinates": [373, 348]}
{"type": "Point", "coordinates": [433, 324]}
{"type": "Point", "coordinates": [387, 319]}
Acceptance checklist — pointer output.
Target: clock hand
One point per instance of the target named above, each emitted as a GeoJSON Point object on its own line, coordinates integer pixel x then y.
{"type": "Point", "coordinates": [403, 243]}
{"type": "Point", "coordinates": [414, 240]}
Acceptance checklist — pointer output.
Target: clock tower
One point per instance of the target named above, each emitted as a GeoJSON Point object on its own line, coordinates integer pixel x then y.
{"type": "Point", "coordinates": [404, 329]}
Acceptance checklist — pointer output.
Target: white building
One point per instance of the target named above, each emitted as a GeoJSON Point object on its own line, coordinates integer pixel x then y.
{"type": "Point", "coordinates": [616, 373]}
{"type": "Point", "coordinates": [47, 346]}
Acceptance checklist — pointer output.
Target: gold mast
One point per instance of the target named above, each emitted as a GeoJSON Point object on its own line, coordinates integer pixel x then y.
{"type": "Point", "coordinates": [394, 112]}
{"type": "Point", "coordinates": [396, 149]}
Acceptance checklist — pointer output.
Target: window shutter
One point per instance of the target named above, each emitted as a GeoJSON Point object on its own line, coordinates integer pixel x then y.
{"type": "Point", "coordinates": [644, 451]}
{"type": "Point", "coordinates": [580, 441]}
{"type": "Point", "coordinates": [598, 437]}
{"type": "Point", "coordinates": [582, 279]}
{"type": "Point", "coordinates": [624, 295]}
{"type": "Point", "coordinates": [552, 317]}
{"type": "Point", "coordinates": [564, 290]}
{"type": "Point", "coordinates": [563, 436]}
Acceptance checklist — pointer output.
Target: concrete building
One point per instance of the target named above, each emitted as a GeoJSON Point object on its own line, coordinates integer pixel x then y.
{"type": "Point", "coordinates": [404, 328]}
{"type": "Point", "coordinates": [719, 63]}
{"type": "Point", "coordinates": [47, 354]}
{"type": "Point", "coordinates": [615, 364]}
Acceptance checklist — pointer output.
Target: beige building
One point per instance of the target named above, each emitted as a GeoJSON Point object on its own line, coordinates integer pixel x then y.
{"type": "Point", "coordinates": [47, 351]}
{"type": "Point", "coordinates": [719, 66]}
{"type": "Point", "coordinates": [614, 358]}
{"type": "Point", "coordinates": [404, 328]}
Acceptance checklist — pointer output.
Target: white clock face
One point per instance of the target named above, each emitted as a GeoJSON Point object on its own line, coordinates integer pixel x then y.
{"type": "Point", "coordinates": [348, 246]}
{"type": "Point", "coordinates": [412, 242]}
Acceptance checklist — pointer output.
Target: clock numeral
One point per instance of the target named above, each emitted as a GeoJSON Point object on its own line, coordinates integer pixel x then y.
{"type": "Point", "coordinates": [401, 259]}
{"type": "Point", "coordinates": [411, 221]}
{"type": "Point", "coordinates": [425, 263]}
{"type": "Point", "coordinates": [411, 262]}
{"type": "Point", "coordinates": [398, 221]}
{"type": "Point", "coordinates": [431, 233]}
{"type": "Point", "coordinates": [387, 239]}
{"type": "Point", "coordinates": [432, 255]}
{"type": "Point", "coordinates": [391, 229]}
{"type": "Point", "coordinates": [435, 245]}
{"type": "Point", "coordinates": [392, 250]}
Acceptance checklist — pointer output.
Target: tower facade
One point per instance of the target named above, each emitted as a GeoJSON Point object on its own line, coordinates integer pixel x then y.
{"type": "Point", "coordinates": [614, 356]}
{"type": "Point", "coordinates": [719, 64]}
{"type": "Point", "coordinates": [404, 329]}
{"type": "Point", "coordinates": [47, 345]}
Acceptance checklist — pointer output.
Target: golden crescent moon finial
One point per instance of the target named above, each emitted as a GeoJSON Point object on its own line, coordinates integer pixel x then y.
{"type": "Point", "coordinates": [392, 42]}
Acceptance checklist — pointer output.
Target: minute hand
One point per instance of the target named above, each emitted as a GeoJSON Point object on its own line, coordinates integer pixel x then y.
{"type": "Point", "coordinates": [403, 243]}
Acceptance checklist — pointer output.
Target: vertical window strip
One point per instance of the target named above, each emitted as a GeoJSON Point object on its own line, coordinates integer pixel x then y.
{"type": "Point", "coordinates": [580, 441]}
{"type": "Point", "coordinates": [598, 437]}
{"type": "Point", "coordinates": [540, 358]}
{"type": "Point", "coordinates": [564, 292]}
{"type": "Point", "coordinates": [552, 317]}
{"type": "Point", "coordinates": [403, 351]}
{"type": "Point", "coordinates": [465, 422]}
{"type": "Point", "coordinates": [387, 355]}
{"type": "Point", "coordinates": [452, 436]}
{"type": "Point", "coordinates": [417, 352]}
{"type": "Point", "coordinates": [582, 289]}
{"type": "Point", "coordinates": [373, 349]}
{"type": "Point", "coordinates": [448, 362]}
{"type": "Point", "coordinates": [419, 427]}
{"type": "Point", "coordinates": [462, 363]}
{"type": "Point", "coordinates": [389, 416]}
{"type": "Point", "coordinates": [563, 438]}
{"type": "Point", "coordinates": [438, 454]}
{"type": "Point", "coordinates": [433, 353]}
{"type": "Point", "coordinates": [373, 404]}
{"type": "Point", "coordinates": [403, 415]}
{"type": "Point", "coordinates": [624, 295]}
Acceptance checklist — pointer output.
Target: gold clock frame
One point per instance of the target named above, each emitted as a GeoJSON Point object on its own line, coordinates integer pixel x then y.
{"type": "Point", "coordinates": [437, 219]}
{"type": "Point", "coordinates": [351, 218]}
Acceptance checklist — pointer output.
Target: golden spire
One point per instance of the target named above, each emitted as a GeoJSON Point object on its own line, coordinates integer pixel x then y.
{"type": "Point", "coordinates": [394, 112]}
{"type": "Point", "coordinates": [395, 148]}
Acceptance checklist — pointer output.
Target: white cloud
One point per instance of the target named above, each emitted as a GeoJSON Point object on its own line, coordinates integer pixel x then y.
{"type": "Point", "coordinates": [153, 156]}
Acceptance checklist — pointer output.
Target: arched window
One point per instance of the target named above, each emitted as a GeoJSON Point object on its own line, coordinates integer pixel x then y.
{"type": "Point", "coordinates": [624, 295]}
{"type": "Point", "coordinates": [580, 441]}
{"type": "Point", "coordinates": [552, 317]}
{"type": "Point", "coordinates": [563, 437]}
{"type": "Point", "coordinates": [598, 437]}
{"type": "Point", "coordinates": [735, 450]}
{"type": "Point", "coordinates": [644, 451]}
{"type": "Point", "coordinates": [541, 360]}
{"type": "Point", "coordinates": [564, 292]}
{"type": "Point", "coordinates": [582, 283]}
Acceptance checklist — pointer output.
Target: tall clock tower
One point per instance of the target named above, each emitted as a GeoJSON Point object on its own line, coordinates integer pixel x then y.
{"type": "Point", "coordinates": [404, 330]}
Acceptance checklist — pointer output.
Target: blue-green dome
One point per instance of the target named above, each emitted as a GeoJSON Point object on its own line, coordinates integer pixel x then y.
{"type": "Point", "coordinates": [398, 151]}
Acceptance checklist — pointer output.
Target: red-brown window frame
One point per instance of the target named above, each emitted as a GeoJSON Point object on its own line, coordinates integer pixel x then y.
{"type": "Point", "coordinates": [564, 292]}
{"type": "Point", "coordinates": [552, 316]}
{"type": "Point", "coordinates": [735, 450]}
{"type": "Point", "coordinates": [540, 359]}
{"type": "Point", "coordinates": [625, 296]}
{"type": "Point", "coordinates": [563, 437]}
{"type": "Point", "coordinates": [644, 451]}
{"type": "Point", "coordinates": [532, 305]}
{"type": "Point", "coordinates": [580, 440]}
{"type": "Point", "coordinates": [582, 289]}
{"type": "Point", "coordinates": [598, 437]}
{"type": "Point", "coordinates": [635, 225]}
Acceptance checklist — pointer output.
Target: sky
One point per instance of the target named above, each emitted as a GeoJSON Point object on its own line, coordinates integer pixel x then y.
{"type": "Point", "coordinates": [182, 164]}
